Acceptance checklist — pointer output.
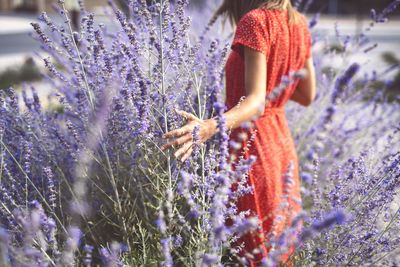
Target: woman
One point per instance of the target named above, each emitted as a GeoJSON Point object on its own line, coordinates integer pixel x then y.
{"type": "Point", "coordinates": [271, 41]}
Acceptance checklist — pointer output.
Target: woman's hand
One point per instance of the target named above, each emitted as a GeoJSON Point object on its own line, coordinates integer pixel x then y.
{"type": "Point", "coordinates": [184, 136]}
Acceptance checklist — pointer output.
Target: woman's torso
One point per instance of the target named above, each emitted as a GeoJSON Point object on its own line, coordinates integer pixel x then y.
{"type": "Point", "coordinates": [286, 47]}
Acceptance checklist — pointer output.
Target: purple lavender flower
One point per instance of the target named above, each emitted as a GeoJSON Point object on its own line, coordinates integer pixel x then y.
{"type": "Point", "coordinates": [210, 260]}
{"type": "Point", "coordinates": [314, 20]}
{"type": "Point", "coordinates": [165, 243]}
{"type": "Point", "coordinates": [343, 81]}
{"type": "Point", "coordinates": [306, 177]}
{"type": "Point", "coordinates": [382, 17]}
{"type": "Point", "coordinates": [335, 217]}
{"type": "Point", "coordinates": [87, 259]}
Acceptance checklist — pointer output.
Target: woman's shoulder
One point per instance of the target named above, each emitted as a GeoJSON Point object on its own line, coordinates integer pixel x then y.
{"type": "Point", "coordinates": [264, 14]}
{"type": "Point", "coordinates": [253, 17]}
{"type": "Point", "coordinates": [264, 18]}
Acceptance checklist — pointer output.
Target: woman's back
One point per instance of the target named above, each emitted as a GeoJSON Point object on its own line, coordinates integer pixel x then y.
{"type": "Point", "coordinates": [286, 46]}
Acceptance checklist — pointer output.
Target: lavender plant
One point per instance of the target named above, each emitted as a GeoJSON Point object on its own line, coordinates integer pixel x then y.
{"type": "Point", "coordinates": [94, 162]}
{"type": "Point", "coordinates": [349, 155]}
{"type": "Point", "coordinates": [84, 181]}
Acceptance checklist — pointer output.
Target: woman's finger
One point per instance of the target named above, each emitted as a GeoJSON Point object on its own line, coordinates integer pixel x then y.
{"type": "Point", "coordinates": [186, 115]}
{"type": "Point", "coordinates": [185, 138]}
{"type": "Point", "coordinates": [178, 132]}
{"type": "Point", "coordinates": [183, 149]}
{"type": "Point", "coordinates": [187, 154]}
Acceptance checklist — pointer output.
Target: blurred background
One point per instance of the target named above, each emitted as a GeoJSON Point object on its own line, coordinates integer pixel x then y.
{"type": "Point", "coordinates": [20, 53]}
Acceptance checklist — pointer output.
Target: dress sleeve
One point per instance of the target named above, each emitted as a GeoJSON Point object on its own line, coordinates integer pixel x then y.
{"type": "Point", "coordinates": [252, 33]}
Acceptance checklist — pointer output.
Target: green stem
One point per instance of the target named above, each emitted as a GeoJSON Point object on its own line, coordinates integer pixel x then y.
{"type": "Point", "coordinates": [163, 91]}
{"type": "Point", "coordinates": [30, 181]}
{"type": "Point", "coordinates": [89, 91]}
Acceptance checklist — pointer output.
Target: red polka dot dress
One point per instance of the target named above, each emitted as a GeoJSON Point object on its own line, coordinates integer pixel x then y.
{"type": "Point", "coordinates": [286, 48]}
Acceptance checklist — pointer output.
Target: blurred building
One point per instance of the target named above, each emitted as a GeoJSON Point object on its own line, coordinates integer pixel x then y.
{"type": "Point", "coordinates": [348, 7]}
{"type": "Point", "coordinates": [41, 5]}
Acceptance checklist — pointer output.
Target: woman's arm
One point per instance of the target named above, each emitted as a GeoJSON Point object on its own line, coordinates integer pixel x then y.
{"type": "Point", "coordinates": [255, 83]}
{"type": "Point", "coordinates": [306, 89]}
{"type": "Point", "coordinates": [250, 108]}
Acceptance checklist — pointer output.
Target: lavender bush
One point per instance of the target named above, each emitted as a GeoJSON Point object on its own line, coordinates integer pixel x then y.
{"type": "Point", "coordinates": [84, 181]}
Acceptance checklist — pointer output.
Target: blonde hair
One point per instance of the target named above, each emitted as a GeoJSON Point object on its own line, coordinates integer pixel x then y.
{"type": "Point", "coordinates": [235, 9]}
